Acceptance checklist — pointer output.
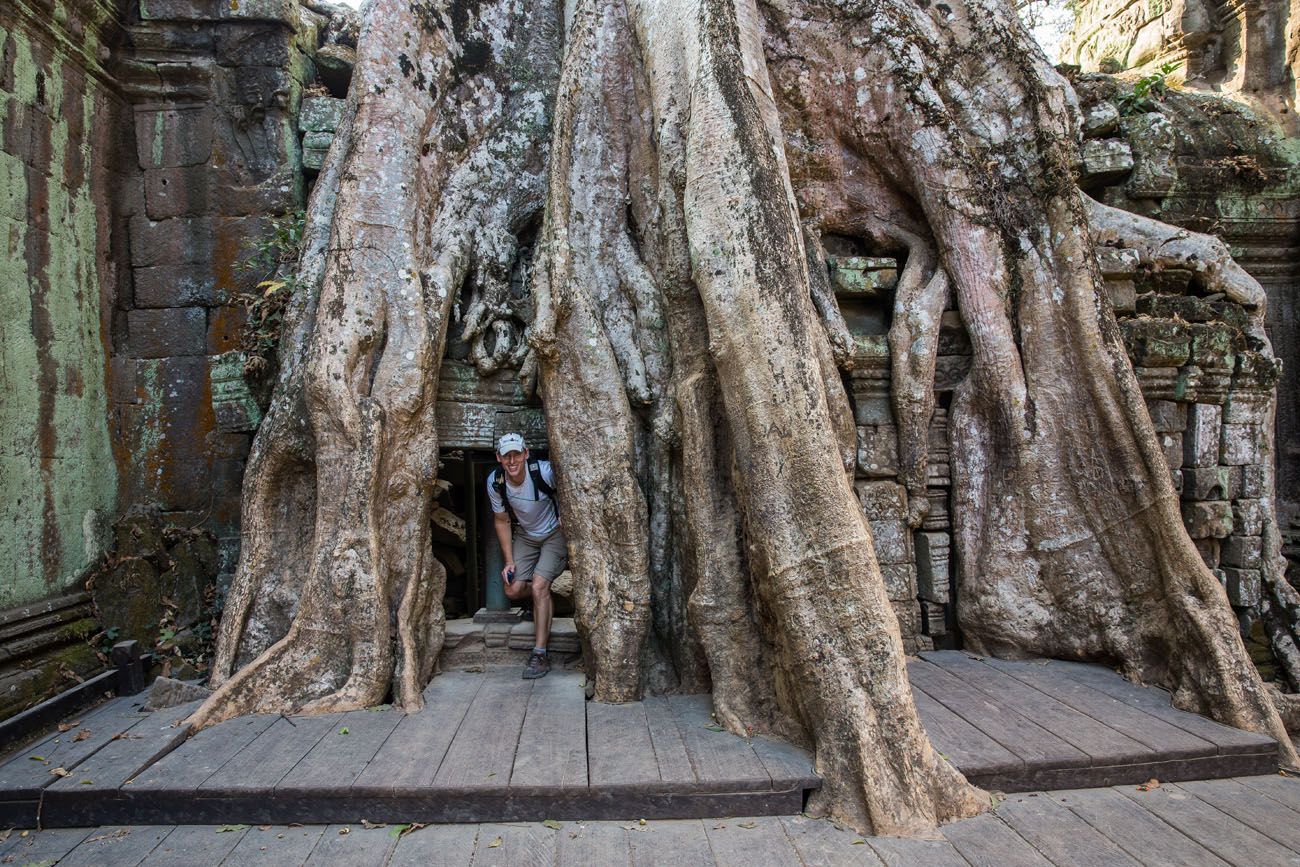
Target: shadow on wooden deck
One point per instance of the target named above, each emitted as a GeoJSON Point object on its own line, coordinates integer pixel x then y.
{"type": "Point", "coordinates": [492, 747]}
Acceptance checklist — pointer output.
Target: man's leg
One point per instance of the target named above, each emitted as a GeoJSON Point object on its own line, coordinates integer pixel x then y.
{"type": "Point", "coordinates": [542, 608]}
{"type": "Point", "coordinates": [554, 557]}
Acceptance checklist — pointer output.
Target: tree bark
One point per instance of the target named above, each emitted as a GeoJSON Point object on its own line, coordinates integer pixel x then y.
{"type": "Point", "coordinates": [690, 355]}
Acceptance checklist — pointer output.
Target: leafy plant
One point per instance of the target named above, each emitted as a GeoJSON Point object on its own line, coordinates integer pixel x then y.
{"type": "Point", "coordinates": [1147, 91]}
{"type": "Point", "coordinates": [276, 258]}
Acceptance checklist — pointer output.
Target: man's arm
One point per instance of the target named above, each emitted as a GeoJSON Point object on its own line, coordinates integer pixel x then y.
{"type": "Point", "coordinates": [501, 521]}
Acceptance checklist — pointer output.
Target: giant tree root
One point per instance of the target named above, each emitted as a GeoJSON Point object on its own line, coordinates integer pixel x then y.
{"type": "Point", "coordinates": [687, 342]}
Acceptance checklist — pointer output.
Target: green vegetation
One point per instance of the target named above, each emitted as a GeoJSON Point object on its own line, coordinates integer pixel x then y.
{"type": "Point", "coordinates": [1147, 92]}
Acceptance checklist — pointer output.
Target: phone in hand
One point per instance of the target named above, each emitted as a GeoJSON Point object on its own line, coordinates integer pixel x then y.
{"type": "Point", "coordinates": [510, 576]}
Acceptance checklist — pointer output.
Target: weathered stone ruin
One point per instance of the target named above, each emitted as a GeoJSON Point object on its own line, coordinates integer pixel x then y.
{"type": "Point", "coordinates": [153, 151]}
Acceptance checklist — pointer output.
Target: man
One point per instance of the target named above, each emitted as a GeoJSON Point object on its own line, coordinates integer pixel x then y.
{"type": "Point", "coordinates": [522, 494]}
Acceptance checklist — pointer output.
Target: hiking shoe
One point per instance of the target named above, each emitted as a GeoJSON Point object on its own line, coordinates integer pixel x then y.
{"type": "Point", "coordinates": [538, 665]}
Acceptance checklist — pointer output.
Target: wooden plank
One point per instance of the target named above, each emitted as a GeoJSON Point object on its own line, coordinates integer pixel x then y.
{"type": "Point", "coordinates": [122, 758]}
{"type": "Point", "coordinates": [671, 844]}
{"type": "Point", "coordinates": [603, 843]}
{"type": "Point", "coordinates": [786, 764]}
{"type": "Point", "coordinates": [1215, 830]}
{"type": "Point", "coordinates": [909, 852]}
{"type": "Point", "coordinates": [619, 746]}
{"type": "Point", "coordinates": [666, 740]}
{"type": "Point", "coordinates": [483, 750]}
{"type": "Point", "coordinates": [759, 841]}
{"type": "Point", "coordinates": [818, 843]}
{"type": "Point", "coordinates": [194, 844]}
{"type": "Point", "coordinates": [1250, 807]}
{"type": "Point", "coordinates": [715, 755]}
{"type": "Point", "coordinates": [961, 743]}
{"type": "Point", "coordinates": [1020, 735]}
{"type": "Point", "coordinates": [264, 762]}
{"type": "Point", "coordinates": [985, 841]}
{"type": "Point", "coordinates": [1103, 744]}
{"type": "Point", "coordinates": [1169, 740]}
{"type": "Point", "coordinates": [51, 711]}
{"type": "Point", "coordinates": [351, 846]}
{"type": "Point", "coordinates": [116, 847]}
{"type": "Point", "coordinates": [29, 772]}
{"type": "Point", "coordinates": [1152, 842]}
{"type": "Point", "coordinates": [553, 742]}
{"type": "Point", "coordinates": [1284, 790]}
{"type": "Point", "coordinates": [274, 846]}
{"type": "Point", "coordinates": [435, 846]}
{"type": "Point", "coordinates": [411, 755]}
{"type": "Point", "coordinates": [49, 845]}
{"type": "Point", "coordinates": [1059, 835]}
{"type": "Point", "coordinates": [342, 753]}
{"type": "Point", "coordinates": [516, 845]}
{"type": "Point", "coordinates": [1159, 704]}
{"type": "Point", "coordinates": [190, 764]}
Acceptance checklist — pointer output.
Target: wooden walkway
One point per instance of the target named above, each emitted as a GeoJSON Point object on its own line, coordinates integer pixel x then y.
{"type": "Point", "coordinates": [492, 747]}
{"type": "Point", "coordinates": [1251, 821]}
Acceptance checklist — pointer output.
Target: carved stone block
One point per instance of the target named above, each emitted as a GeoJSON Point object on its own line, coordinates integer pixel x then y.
{"type": "Point", "coordinates": [1207, 520]}
{"type": "Point", "coordinates": [1242, 444]}
{"type": "Point", "coordinates": [1172, 444]}
{"type": "Point", "coordinates": [900, 581]}
{"type": "Point", "coordinates": [1206, 483]}
{"type": "Point", "coordinates": [1247, 407]}
{"type": "Point", "coordinates": [1254, 482]}
{"type": "Point", "coordinates": [933, 552]}
{"type": "Point", "coordinates": [1105, 160]}
{"type": "Point", "coordinates": [1168, 416]}
{"type": "Point", "coordinates": [1243, 552]}
{"type": "Point", "coordinates": [1201, 439]}
{"type": "Point", "coordinates": [1248, 517]}
{"type": "Point", "coordinates": [878, 451]}
{"type": "Point", "coordinates": [1243, 586]}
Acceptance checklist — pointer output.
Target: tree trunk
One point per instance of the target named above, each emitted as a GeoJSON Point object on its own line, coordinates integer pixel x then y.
{"type": "Point", "coordinates": [687, 343]}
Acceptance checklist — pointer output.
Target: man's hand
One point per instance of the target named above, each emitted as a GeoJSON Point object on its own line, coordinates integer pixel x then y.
{"type": "Point", "coordinates": [507, 572]}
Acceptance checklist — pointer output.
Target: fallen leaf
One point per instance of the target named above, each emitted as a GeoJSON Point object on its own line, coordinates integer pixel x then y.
{"type": "Point", "coordinates": [81, 735]}
{"type": "Point", "coordinates": [224, 828]}
{"type": "Point", "coordinates": [715, 728]}
{"type": "Point", "coordinates": [552, 824]}
{"type": "Point", "coordinates": [279, 836]}
{"type": "Point", "coordinates": [87, 782]}
{"type": "Point", "coordinates": [859, 843]}
{"type": "Point", "coordinates": [493, 774]}
{"type": "Point", "coordinates": [747, 824]}
{"type": "Point", "coordinates": [398, 830]}
{"type": "Point", "coordinates": [127, 736]}
{"type": "Point", "coordinates": [60, 772]}
{"type": "Point", "coordinates": [495, 843]}
{"type": "Point", "coordinates": [37, 758]}
{"type": "Point", "coordinates": [343, 730]}
{"type": "Point", "coordinates": [370, 826]}
{"type": "Point", "coordinates": [343, 831]}
{"type": "Point", "coordinates": [1150, 784]}
{"type": "Point", "coordinates": [641, 821]}
{"type": "Point", "coordinates": [263, 827]}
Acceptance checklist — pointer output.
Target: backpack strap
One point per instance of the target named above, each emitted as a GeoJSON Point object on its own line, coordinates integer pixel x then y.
{"type": "Point", "coordinates": [540, 484]}
{"type": "Point", "coordinates": [498, 482]}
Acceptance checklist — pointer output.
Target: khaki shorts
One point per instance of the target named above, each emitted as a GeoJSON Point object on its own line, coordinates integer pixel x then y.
{"type": "Point", "coordinates": [546, 558]}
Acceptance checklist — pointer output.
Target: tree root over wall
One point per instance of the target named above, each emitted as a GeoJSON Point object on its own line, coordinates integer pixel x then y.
{"type": "Point", "coordinates": [690, 352]}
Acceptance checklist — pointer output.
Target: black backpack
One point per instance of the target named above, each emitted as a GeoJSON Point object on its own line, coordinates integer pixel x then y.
{"type": "Point", "coordinates": [498, 482]}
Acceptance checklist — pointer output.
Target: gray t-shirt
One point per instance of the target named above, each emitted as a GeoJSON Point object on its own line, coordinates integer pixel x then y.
{"type": "Point", "coordinates": [534, 509]}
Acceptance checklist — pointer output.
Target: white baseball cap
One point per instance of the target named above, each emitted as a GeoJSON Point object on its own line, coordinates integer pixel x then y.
{"type": "Point", "coordinates": [511, 442]}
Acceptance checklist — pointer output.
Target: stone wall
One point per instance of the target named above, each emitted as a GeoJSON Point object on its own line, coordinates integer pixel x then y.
{"type": "Point", "coordinates": [58, 148]}
{"type": "Point", "coordinates": [1247, 48]}
{"type": "Point", "coordinates": [214, 88]}
{"type": "Point", "coordinates": [1198, 161]}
